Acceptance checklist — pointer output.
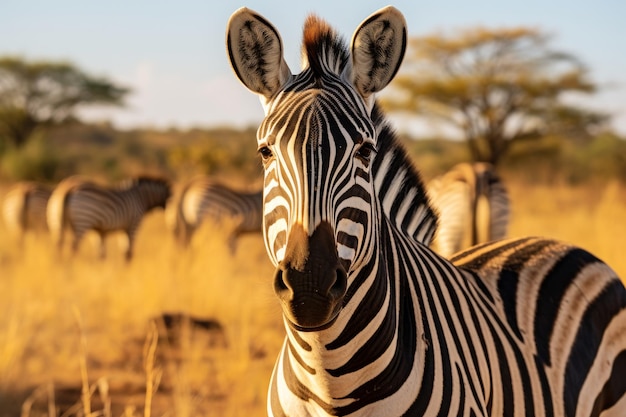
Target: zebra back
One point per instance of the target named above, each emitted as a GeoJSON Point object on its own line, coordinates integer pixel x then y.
{"type": "Point", "coordinates": [473, 207]}
{"type": "Point", "coordinates": [206, 199]}
{"type": "Point", "coordinates": [152, 192]}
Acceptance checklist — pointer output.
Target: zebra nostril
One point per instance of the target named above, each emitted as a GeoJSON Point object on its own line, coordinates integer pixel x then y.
{"type": "Point", "coordinates": [280, 286]}
{"type": "Point", "coordinates": [339, 287]}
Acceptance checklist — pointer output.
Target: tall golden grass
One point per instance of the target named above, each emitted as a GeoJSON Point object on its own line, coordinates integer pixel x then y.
{"type": "Point", "coordinates": [592, 216]}
{"type": "Point", "coordinates": [67, 318]}
{"type": "Point", "coordinates": [77, 336]}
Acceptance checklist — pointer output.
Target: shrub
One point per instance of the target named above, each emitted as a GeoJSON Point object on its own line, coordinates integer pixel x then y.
{"type": "Point", "coordinates": [36, 161]}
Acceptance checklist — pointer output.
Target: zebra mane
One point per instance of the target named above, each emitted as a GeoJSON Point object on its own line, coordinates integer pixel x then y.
{"type": "Point", "coordinates": [400, 184]}
{"type": "Point", "coordinates": [323, 50]}
{"type": "Point", "coordinates": [140, 180]}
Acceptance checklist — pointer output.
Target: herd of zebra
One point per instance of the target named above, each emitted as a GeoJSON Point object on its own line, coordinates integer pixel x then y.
{"type": "Point", "coordinates": [466, 194]}
{"type": "Point", "coordinates": [78, 204]}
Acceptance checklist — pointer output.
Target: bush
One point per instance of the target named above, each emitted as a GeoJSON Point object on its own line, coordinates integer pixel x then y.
{"type": "Point", "coordinates": [36, 161]}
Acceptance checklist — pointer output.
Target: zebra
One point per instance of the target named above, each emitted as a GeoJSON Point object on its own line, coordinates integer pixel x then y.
{"type": "Point", "coordinates": [82, 205]}
{"type": "Point", "coordinates": [204, 198]}
{"type": "Point", "coordinates": [376, 322]}
{"type": "Point", "coordinates": [24, 208]}
{"type": "Point", "coordinates": [473, 207]}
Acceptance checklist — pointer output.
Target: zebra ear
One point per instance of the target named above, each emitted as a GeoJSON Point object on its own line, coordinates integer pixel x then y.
{"type": "Point", "coordinates": [255, 51]}
{"type": "Point", "coordinates": [378, 46]}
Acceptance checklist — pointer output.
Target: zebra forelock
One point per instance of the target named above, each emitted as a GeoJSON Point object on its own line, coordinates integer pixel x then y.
{"type": "Point", "coordinates": [323, 50]}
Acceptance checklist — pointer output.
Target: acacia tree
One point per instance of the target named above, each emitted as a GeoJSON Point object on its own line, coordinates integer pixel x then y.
{"type": "Point", "coordinates": [41, 93]}
{"type": "Point", "coordinates": [495, 86]}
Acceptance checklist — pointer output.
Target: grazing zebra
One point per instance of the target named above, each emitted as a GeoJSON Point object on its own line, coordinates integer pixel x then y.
{"type": "Point", "coordinates": [82, 205]}
{"type": "Point", "coordinates": [24, 208]}
{"type": "Point", "coordinates": [377, 323]}
{"type": "Point", "coordinates": [204, 198]}
{"type": "Point", "coordinates": [473, 207]}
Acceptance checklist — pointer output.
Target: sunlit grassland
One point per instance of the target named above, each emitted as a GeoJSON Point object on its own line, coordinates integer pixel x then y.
{"type": "Point", "coordinates": [44, 299]}
{"type": "Point", "coordinates": [591, 216]}
{"type": "Point", "coordinates": [57, 314]}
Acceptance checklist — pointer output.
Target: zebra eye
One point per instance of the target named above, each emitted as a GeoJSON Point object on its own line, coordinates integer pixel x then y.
{"type": "Point", "coordinates": [265, 152]}
{"type": "Point", "coordinates": [364, 153]}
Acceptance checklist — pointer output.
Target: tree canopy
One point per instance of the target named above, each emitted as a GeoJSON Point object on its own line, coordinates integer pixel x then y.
{"type": "Point", "coordinates": [495, 86]}
{"type": "Point", "coordinates": [39, 92]}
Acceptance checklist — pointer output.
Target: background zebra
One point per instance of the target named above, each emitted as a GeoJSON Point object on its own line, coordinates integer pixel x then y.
{"type": "Point", "coordinates": [24, 208]}
{"type": "Point", "coordinates": [377, 323]}
{"type": "Point", "coordinates": [473, 207]}
{"type": "Point", "coordinates": [82, 205]}
{"type": "Point", "coordinates": [204, 198]}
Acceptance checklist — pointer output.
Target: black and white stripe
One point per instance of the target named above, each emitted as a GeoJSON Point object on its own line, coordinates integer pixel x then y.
{"type": "Point", "coordinates": [473, 207]}
{"type": "Point", "coordinates": [82, 205]}
{"type": "Point", "coordinates": [206, 199]}
{"type": "Point", "coordinates": [24, 208]}
{"type": "Point", "coordinates": [377, 323]}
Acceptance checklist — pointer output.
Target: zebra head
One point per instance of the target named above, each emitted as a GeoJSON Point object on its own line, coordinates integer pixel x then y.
{"type": "Point", "coordinates": [317, 143]}
{"type": "Point", "coordinates": [154, 192]}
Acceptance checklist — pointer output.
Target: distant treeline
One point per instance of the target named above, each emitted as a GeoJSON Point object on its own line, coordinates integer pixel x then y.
{"type": "Point", "coordinates": [99, 150]}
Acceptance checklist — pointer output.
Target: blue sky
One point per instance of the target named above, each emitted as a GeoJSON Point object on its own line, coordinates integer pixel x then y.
{"type": "Point", "coordinates": [172, 54]}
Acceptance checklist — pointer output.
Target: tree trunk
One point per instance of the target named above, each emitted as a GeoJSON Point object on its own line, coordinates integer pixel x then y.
{"type": "Point", "coordinates": [18, 131]}
{"type": "Point", "coordinates": [472, 143]}
{"type": "Point", "coordinates": [497, 145]}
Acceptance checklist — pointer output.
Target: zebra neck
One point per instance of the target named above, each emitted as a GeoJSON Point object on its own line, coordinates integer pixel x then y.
{"type": "Point", "coordinates": [369, 345]}
{"type": "Point", "coordinates": [141, 197]}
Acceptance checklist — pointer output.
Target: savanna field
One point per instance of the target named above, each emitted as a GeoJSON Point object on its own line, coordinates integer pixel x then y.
{"type": "Point", "coordinates": [85, 337]}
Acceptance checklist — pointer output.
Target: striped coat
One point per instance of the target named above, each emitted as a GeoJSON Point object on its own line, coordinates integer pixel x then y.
{"type": "Point", "coordinates": [205, 199]}
{"type": "Point", "coordinates": [473, 207]}
{"type": "Point", "coordinates": [376, 322]}
{"type": "Point", "coordinates": [82, 205]}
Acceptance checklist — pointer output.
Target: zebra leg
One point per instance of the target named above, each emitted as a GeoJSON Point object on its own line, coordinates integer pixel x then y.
{"type": "Point", "coordinates": [131, 241]}
{"type": "Point", "coordinates": [78, 235]}
{"type": "Point", "coordinates": [103, 248]}
{"type": "Point", "coordinates": [61, 241]}
{"type": "Point", "coordinates": [232, 242]}
{"type": "Point", "coordinates": [183, 235]}
{"type": "Point", "coordinates": [188, 231]}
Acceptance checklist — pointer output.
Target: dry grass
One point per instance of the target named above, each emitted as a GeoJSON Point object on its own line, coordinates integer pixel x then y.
{"type": "Point", "coordinates": [592, 217]}
{"type": "Point", "coordinates": [78, 337]}
{"type": "Point", "coordinates": [65, 321]}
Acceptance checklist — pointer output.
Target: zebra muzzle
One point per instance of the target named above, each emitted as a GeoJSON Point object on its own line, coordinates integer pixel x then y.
{"type": "Point", "coordinates": [310, 281]}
